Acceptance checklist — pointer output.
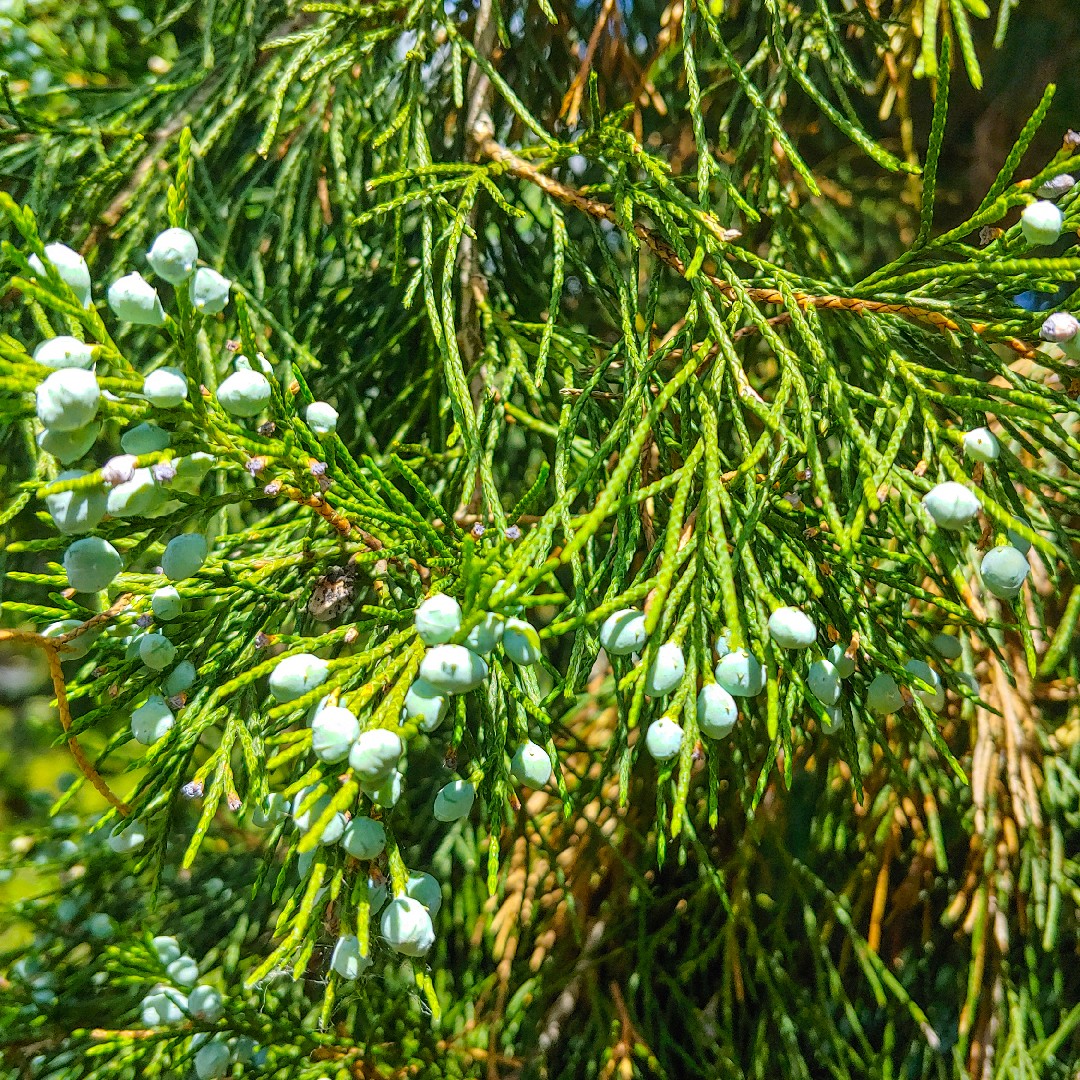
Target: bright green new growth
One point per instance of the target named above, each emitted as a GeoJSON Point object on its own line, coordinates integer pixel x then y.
{"type": "Point", "coordinates": [624, 353]}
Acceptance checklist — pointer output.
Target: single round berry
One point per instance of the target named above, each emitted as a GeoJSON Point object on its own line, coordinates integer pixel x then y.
{"type": "Point", "coordinates": [166, 604]}
{"type": "Point", "coordinates": [521, 642]}
{"type": "Point", "coordinates": [144, 438]}
{"type": "Point", "coordinates": [165, 388]}
{"type": "Point", "coordinates": [437, 619]}
{"type": "Point", "coordinates": [1004, 571]}
{"type": "Point", "coordinates": [68, 446]}
{"type": "Point", "coordinates": [374, 755]}
{"type": "Point", "coordinates": [454, 801]}
{"type": "Point", "coordinates": [364, 838]}
{"type": "Point", "coordinates": [77, 510]}
{"type": "Point", "coordinates": [425, 704]}
{"type": "Point", "coordinates": [68, 399]}
{"type": "Point", "coordinates": [321, 418]}
{"type": "Point", "coordinates": [91, 564]}
{"type": "Point", "coordinates": [486, 634]}
{"type": "Point", "coordinates": [947, 646]}
{"type": "Point", "coordinates": [531, 765]}
{"type": "Point", "coordinates": [824, 681]}
{"type": "Point", "coordinates": [127, 837]}
{"type": "Point", "coordinates": [406, 925]}
{"type": "Point", "coordinates": [664, 739]}
{"type": "Point", "coordinates": [453, 669]}
{"type": "Point", "coordinates": [71, 267]}
{"type": "Point", "coordinates": [347, 960]}
{"type": "Point", "coordinates": [333, 732]}
{"type": "Point", "coordinates": [151, 721]}
{"type": "Point", "coordinates": [204, 1003]}
{"type": "Point", "coordinates": [274, 807]}
{"type": "Point", "coordinates": [623, 632]}
{"type": "Point", "coordinates": [791, 628]}
{"type": "Point", "coordinates": [133, 299]}
{"type": "Point", "coordinates": [156, 651]}
{"type": "Point", "coordinates": [934, 698]}
{"type": "Point", "coordinates": [212, 1060]}
{"type": "Point", "coordinates": [951, 505]}
{"type": "Point", "coordinates": [838, 657]}
{"type": "Point", "coordinates": [65, 352]}
{"type": "Point", "coordinates": [740, 674]}
{"type": "Point", "coordinates": [666, 670]}
{"type": "Point", "coordinates": [297, 675]}
{"type": "Point", "coordinates": [181, 678]}
{"type": "Point", "coordinates": [1041, 222]}
{"type": "Point", "coordinates": [209, 291]}
{"type": "Point", "coordinates": [883, 695]}
{"type": "Point", "coordinates": [982, 444]}
{"type": "Point", "coordinates": [173, 255]}
{"type": "Point", "coordinates": [184, 556]}
{"type": "Point", "coordinates": [426, 889]}
{"type": "Point", "coordinates": [716, 711]}
{"type": "Point", "coordinates": [245, 393]}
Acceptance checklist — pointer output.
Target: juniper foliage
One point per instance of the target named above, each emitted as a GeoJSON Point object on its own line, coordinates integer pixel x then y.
{"type": "Point", "coordinates": [620, 306]}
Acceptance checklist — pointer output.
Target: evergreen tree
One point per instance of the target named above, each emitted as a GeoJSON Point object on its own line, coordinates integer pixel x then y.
{"type": "Point", "coordinates": [551, 532]}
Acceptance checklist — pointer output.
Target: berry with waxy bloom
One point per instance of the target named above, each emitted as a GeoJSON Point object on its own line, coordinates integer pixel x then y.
{"type": "Point", "coordinates": [791, 628]}
{"type": "Point", "coordinates": [663, 739]}
{"type": "Point", "coordinates": [165, 387]}
{"type": "Point", "coordinates": [204, 1003]}
{"type": "Point", "coordinates": [306, 816]}
{"type": "Point", "coordinates": [426, 889]}
{"type": "Point", "coordinates": [1004, 571]}
{"type": "Point", "coordinates": [666, 670]}
{"type": "Point", "coordinates": [951, 505]}
{"type": "Point", "coordinates": [274, 807]}
{"type": "Point", "coordinates": [297, 675]}
{"type": "Point", "coordinates": [166, 603]}
{"type": "Point", "coordinates": [163, 1006]}
{"type": "Point", "coordinates": [77, 510]}
{"type": "Point", "coordinates": [167, 949]}
{"type": "Point", "coordinates": [245, 393]}
{"type": "Point", "coordinates": [321, 417]}
{"type": "Point", "coordinates": [948, 646]}
{"type": "Point", "coordinates": [824, 681]}
{"type": "Point", "coordinates": [838, 657]}
{"type": "Point", "coordinates": [68, 399]}
{"type": "Point", "coordinates": [181, 678]}
{"type": "Point", "coordinates": [623, 632]}
{"type": "Point", "coordinates": [374, 754]}
{"type": "Point", "coordinates": [77, 647]}
{"type": "Point", "coordinates": [740, 674]}
{"type": "Point", "coordinates": [364, 838]}
{"type": "Point", "coordinates": [486, 634]}
{"type": "Point", "coordinates": [347, 960]}
{"type": "Point", "coordinates": [91, 564]}
{"type": "Point", "coordinates": [212, 1060]}
{"type": "Point", "coordinates": [521, 642]}
{"type": "Point", "coordinates": [152, 720]}
{"type": "Point", "coordinates": [145, 438]}
{"type": "Point", "coordinates": [127, 837]}
{"type": "Point", "coordinates": [982, 444]}
{"type": "Point", "coordinates": [883, 695]}
{"type": "Point", "coordinates": [136, 497]}
{"type": "Point", "coordinates": [934, 698]}
{"type": "Point", "coordinates": [333, 731]}
{"type": "Point", "coordinates": [65, 352]}
{"type": "Point", "coordinates": [531, 765]}
{"type": "Point", "coordinates": [173, 255]}
{"type": "Point", "coordinates": [209, 291]}
{"type": "Point", "coordinates": [453, 669]}
{"type": "Point", "coordinates": [68, 446]}
{"type": "Point", "coordinates": [454, 801]}
{"type": "Point", "coordinates": [1041, 222]}
{"type": "Point", "coordinates": [425, 704]}
{"type": "Point", "coordinates": [133, 299]}
{"type": "Point", "coordinates": [716, 711]}
{"type": "Point", "coordinates": [406, 926]}
{"type": "Point", "coordinates": [437, 619]}
{"type": "Point", "coordinates": [71, 267]}
{"type": "Point", "coordinates": [184, 556]}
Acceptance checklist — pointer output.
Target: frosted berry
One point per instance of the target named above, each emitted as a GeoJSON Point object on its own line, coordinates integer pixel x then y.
{"type": "Point", "coordinates": [1056, 186]}
{"type": "Point", "coordinates": [1041, 222]}
{"type": "Point", "coordinates": [274, 807]}
{"type": "Point", "coordinates": [204, 1003]}
{"type": "Point", "coordinates": [531, 765]}
{"type": "Point", "coordinates": [948, 646]}
{"type": "Point", "coordinates": [454, 801]}
{"type": "Point", "coordinates": [425, 704]}
{"type": "Point", "coordinates": [426, 889]}
{"type": "Point", "coordinates": [374, 754]}
{"type": "Point", "coordinates": [521, 642]}
{"type": "Point", "coordinates": [824, 682]}
{"type": "Point", "coordinates": [364, 838]}
{"type": "Point", "coordinates": [951, 505]}
{"type": "Point", "coordinates": [883, 695]}
{"type": "Point", "coordinates": [981, 444]}
{"type": "Point", "coordinates": [163, 1006]}
{"type": "Point", "coordinates": [144, 439]}
{"type": "Point", "coordinates": [135, 300]}
{"type": "Point", "coordinates": [165, 387]}
{"type": "Point", "coordinates": [1004, 571]}
{"type": "Point", "coordinates": [453, 669]}
{"type": "Point", "coordinates": [209, 291]}
{"type": "Point", "coordinates": [79, 646]}
{"type": "Point", "coordinates": [305, 818]}
{"type": "Point", "coordinates": [297, 675]}
{"type": "Point", "coordinates": [166, 604]}
{"type": "Point", "coordinates": [716, 711]}
{"type": "Point", "coordinates": [1021, 543]}
{"type": "Point", "coordinates": [138, 497]}
{"type": "Point", "coordinates": [387, 791]}
{"type": "Point", "coordinates": [167, 949]}
{"type": "Point", "coordinates": [65, 352]}
{"type": "Point", "coordinates": [184, 556]}
{"type": "Point", "coordinates": [77, 510]}
{"type": "Point", "coordinates": [321, 418]}
{"type": "Point", "coordinates": [486, 634]}
{"type": "Point", "coordinates": [838, 657]}
{"type": "Point", "coordinates": [437, 619]}
{"type": "Point", "coordinates": [68, 446]}
{"type": "Point", "coordinates": [127, 837]}
{"type": "Point", "coordinates": [173, 255]}
{"type": "Point", "coordinates": [663, 739]}
{"type": "Point", "coordinates": [183, 970]}
{"type": "Point", "coordinates": [91, 564]}
{"type": "Point", "coordinates": [156, 651]}
{"type": "Point", "coordinates": [151, 721]}
{"type": "Point", "coordinates": [347, 960]}
{"type": "Point", "coordinates": [740, 674]}
{"type": "Point", "coordinates": [244, 393]}
{"type": "Point", "coordinates": [723, 642]}
{"type": "Point", "coordinates": [212, 1060]}
{"type": "Point", "coordinates": [406, 926]}
{"type": "Point", "coordinates": [623, 632]}
{"type": "Point", "coordinates": [71, 267]}
{"type": "Point", "coordinates": [1059, 327]}
{"type": "Point", "coordinates": [666, 670]}
{"type": "Point", "coordinates": [934, 698]}
{"type": "Point", "coordinates": [68, 399]}
{"type": "Point", "coordinates": [333, 731]}
{"type": "Point", "coordinates": [181, 678]}
{"type": "Point", "coordinates": [791, 628]}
